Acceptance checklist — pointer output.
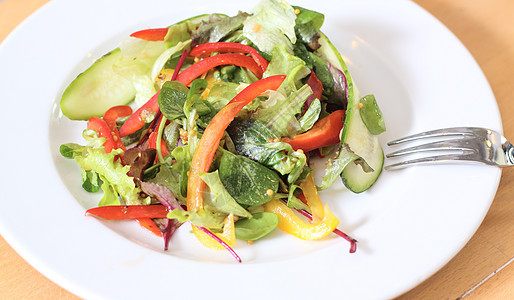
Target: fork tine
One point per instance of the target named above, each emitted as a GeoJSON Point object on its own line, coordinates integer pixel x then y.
{"type": "Point", "coordinates": [431, 159]}
{"type": "Point", "coordinates": [455, 131]}
{"type": "Point", "coordinates": [460, 144]}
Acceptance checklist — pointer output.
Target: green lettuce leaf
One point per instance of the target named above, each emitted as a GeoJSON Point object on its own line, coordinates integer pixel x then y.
{"type": "Point", "coordinates": [207, 217]}
{"type": "Point", "coordinates": [172, 179]}
{"type": "Point", "coordinates": [109, 170]}
{"type": "Point", "coordinates": [279, 112]}
{"type": "Point", "coordinates": [218, 198]}
{"type": "Point", "coordinates": [218, 29]}
{"type": "Point", "coordinates": [110, 197]}
{"type": "Point", "coordinates": [293, 201]}
{"type": "Point", "coordinates": [172, 53]}
{"type": "Point", "coordinates": [311, 116]}
{"type": "Point", "coordinates": [272, 23]}
{"type": "Point", "coordinates": [283, 62]}
{"type": "Point", "coordinates": [91, 181]}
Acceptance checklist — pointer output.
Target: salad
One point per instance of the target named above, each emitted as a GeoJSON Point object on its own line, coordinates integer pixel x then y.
{"type": "Point", "coordinates": [215, 120]}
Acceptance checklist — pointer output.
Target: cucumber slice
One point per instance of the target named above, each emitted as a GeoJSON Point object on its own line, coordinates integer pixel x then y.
{"type": "Point", "coordinates": [97, 89]}
{"type": "Point", "coordinates": [114, 80]}
{"type": "Point", "coordinates": [355, 134]}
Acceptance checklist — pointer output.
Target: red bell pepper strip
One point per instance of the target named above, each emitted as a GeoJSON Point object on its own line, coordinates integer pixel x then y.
{"type": "Point", "coordinates": [151, 107]}
{"type": "Point", "coordinates": [110, 118]}
{"type": "Point", "coordinates": [103, 130]}
{"type": "Point", "coordinates": [115, 113]}
{"type": "Point", "coordinates": [152, 143]}
{"type": "Point", "coordinates": [153, 34]}
{"type": "Point", "coordinates": [148, 224]}
{"type": "Point", "coordinates": [212, 135]}
{"type": "Point", "coordinates": [317, 90]}
{"type": "Point", "coordinates": [204, 65]}
{"type": "Point", "coordinates": [125, 212]}
{"type": "Point", "coordinates": [205, 50]}
{"type": "Point", "coordinates": [325, 132]}
{"type": "Point", "coordinates": [139, 117]}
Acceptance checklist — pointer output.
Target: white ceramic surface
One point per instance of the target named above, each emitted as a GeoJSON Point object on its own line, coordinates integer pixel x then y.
{"type": "Point", "coordinates": [409, 224]}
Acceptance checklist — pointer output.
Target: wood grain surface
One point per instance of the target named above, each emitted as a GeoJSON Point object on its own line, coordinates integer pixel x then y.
{"type": "Point", "coordinates": [484, 268]}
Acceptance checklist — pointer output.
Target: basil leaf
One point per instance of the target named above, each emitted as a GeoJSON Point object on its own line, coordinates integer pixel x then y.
{"type": "Point", "coordinates": [220, 199]}
{"type": "Point", "coordinates": [247, 181]}
{"type": "Point", "coordinates": [171, 100]}
{"type": "Point", "coordinates": [255, 228]}
{"type": "Point", "coordinates": [254, 140]}
{"type": "Point", "coordinates": [307, 24]}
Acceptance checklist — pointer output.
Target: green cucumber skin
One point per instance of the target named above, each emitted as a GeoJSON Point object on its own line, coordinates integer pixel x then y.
{"type": "Point", "coordinates": [97, 89]}
{"type": "Point", "coordinates": [354, 133]}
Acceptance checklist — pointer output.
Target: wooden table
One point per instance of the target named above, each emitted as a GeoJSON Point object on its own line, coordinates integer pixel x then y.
{"type": "Point", "coordinates": [484, 268]}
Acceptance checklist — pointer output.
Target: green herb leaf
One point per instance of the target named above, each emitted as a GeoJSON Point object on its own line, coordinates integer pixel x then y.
{"type": "Point", "coordinates": [308, 23]}
{"type": "Point", "coordinates": [257, 227]}
{"type": "Point", "coordinates": [247, 181]}
{"type": "Point", "coordinates": [371, 115]}
{"type": "Point", "coordinates": [254, 140]}
{"type": "Point", "coordinates": [171, 100]}
{"type": "Point", "coordinates": [220, 199]}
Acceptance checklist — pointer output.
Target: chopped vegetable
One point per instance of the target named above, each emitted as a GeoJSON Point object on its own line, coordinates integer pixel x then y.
{"type": "Point", "coordinates": [324, 133]}
{"type": "Point", "coordinates": [104, 130]}
{"type": "Point", "coordinates": [204, 50]}
{"type": "Point", "coordinates": [123, 212]}
{"type": "Point", "coordinates": [153, 34]}
{"type": "Point", "coordinates": [201, 67]}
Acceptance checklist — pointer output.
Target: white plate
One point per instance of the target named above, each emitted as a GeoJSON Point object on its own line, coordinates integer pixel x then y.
{"type": "Point", "coordinates": [409, 224]}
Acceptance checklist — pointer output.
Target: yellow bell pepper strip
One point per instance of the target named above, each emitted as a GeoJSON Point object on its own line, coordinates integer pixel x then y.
{"type": "Point", "coordinates": [212, 135]}
{"type": "Point", "coordinates": [310, 193]}
{"type": "Point", "coordinates": [192, 72]}
{"type": "Point", "coordinates": [204, 50]}
{"type": "Point", "coordinates": [353, 242]}
{"type": "Point", "coordinates": [213, 237]}
{"type": "Point", "coordinates": [292, 224]}
{"type": "Point", "coordinates": [228, 235]}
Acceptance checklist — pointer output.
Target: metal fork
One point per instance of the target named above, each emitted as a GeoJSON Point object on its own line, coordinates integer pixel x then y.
{"type": "Point", "coordinates": [458, 144]}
